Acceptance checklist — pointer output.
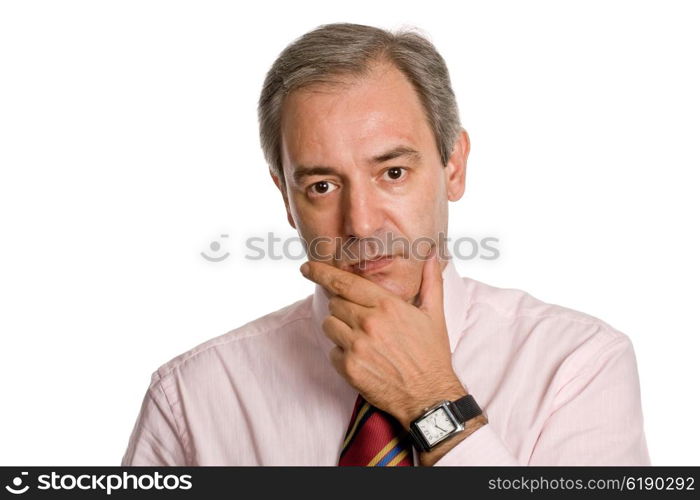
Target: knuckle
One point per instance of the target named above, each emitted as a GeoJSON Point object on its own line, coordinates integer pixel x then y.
{"type": "Point", "coordinates": [386, 304]}
{"type": "Point", "coordinates": [339, 283]}
{"type": "Point", "coordinates": [327, 323]}
{"type": "Point", "coordinates": [368, 324]}
{"type": "Point", "coordinates": [337, 357]}
{"type": "Point", "coordinates": [359, 347]}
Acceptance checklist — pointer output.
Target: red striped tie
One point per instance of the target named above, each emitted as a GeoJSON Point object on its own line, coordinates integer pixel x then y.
{"type": "Point", "coordinates": [375, 438]}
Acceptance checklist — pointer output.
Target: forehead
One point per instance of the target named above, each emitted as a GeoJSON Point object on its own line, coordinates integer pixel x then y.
{"type": "Point", "coordinates": [356, 119]}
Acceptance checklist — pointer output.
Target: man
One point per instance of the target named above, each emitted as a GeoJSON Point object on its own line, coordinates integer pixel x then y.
{"type": "Point", "coordinates": [395, 359]}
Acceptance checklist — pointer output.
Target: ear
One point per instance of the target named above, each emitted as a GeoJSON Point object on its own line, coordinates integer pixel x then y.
{"type": "Point", "coordinates": [456, 168]}
{"type": "Point", "coordinates": [283, 189]}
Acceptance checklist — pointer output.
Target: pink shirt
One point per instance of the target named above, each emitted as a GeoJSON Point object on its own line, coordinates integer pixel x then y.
{"type": "Point", "coordinates": [559, 387]}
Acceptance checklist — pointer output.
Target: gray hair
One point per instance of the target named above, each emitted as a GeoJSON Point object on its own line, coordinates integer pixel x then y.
{"type": "Point", "coordinates": [350, 49]}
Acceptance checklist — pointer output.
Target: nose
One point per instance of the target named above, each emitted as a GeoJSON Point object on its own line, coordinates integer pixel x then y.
{"type": "Point", "coordinates": [362, 214]}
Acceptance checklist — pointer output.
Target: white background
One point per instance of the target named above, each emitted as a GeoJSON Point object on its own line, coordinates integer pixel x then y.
{"type": "Point", "coordinates": [128, 143]}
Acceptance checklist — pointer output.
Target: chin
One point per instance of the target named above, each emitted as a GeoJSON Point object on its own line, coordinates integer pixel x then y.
{"type": "Point", "coordinates": [399, 280]}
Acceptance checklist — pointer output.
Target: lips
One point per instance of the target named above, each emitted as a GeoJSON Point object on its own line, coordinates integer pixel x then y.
{"type": "Point", "coordinates": [370, 265]}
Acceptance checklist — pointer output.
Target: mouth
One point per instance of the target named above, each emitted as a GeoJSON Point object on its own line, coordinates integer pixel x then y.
{"type": "Point", "coordinates": [368, 266]}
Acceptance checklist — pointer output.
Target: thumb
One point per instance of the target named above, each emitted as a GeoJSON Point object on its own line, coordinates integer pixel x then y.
{"type": "Point", "coordinates": [430, 293]}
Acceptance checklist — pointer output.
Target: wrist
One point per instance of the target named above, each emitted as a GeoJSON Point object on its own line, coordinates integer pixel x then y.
{"type": "Point", "coordinates": [439, 428]}
{"type": "Point", "coordinates": [429, 458]}
{"type": "Point", "coordinates": [420, 406]}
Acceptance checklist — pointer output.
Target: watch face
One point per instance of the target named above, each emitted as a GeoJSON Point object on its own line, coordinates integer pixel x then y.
{"type": "Point", "coordinates": [436, 426]}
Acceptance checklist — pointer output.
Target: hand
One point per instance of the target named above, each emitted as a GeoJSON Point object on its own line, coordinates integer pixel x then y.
{"type": "Point", "coordinates": [396, 354]}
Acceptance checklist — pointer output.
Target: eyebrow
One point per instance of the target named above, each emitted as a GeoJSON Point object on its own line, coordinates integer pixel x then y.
{"type": "Point", "coordinates": [396, 152]}
{"type": "Point", "coordinates": [400, 151]}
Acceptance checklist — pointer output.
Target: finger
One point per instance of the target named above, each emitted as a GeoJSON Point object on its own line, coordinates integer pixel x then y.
{"type": "Point", "coordinates": [430, 297]}
{"type": "Point", "coordinates": [348, 285]}
{"type": "Point", "coordinates": [347, 311]}
{"type": "Point", "coordinates": [338, 331]}
{"type": "Point", "coordinates": [337, 357]}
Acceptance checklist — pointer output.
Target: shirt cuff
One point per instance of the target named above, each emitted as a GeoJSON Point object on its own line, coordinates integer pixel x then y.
{"type": "Point", "coordinates": [481, 447]}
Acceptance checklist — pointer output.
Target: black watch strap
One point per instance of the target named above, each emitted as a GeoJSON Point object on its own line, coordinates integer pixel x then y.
{"type": "Point", "coordinates": [465, 408]}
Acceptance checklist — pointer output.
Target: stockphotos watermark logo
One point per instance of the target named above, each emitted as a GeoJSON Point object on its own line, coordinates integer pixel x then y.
{"type": "Point", "coordinates": [326, 249]}
{"type": "Point", "coordinates": [18, 486]}
{"type": "Point", "coordinates": [103, 483]}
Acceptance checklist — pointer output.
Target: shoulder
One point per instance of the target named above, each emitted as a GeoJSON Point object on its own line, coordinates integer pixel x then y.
{"type": "Point", "coordinates": [269, 328]}
{"type": "Point", "coordinates": [524, 317]}
{"type": "Point", "coordinates": [518, 337]}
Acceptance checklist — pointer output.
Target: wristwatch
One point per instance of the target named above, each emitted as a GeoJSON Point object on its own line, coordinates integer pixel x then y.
{"type": "Point", "coordinates": [442, 421]}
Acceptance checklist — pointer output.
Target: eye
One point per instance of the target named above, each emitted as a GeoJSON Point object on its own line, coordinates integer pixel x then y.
{"type": "Point", "coordinates": [395, 173]}
{"type": "Point", "coordinates": [322, 188]}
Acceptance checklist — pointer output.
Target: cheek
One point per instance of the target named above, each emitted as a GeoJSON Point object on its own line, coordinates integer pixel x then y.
{"type": "Point", "coordinates": [311, 221]}
{"type": "Point", "coordinates": [425, 205]}
{"type": "Point", "coordinates": [418, 221]}
{"type": "Point", "coordinates": [322, 241]}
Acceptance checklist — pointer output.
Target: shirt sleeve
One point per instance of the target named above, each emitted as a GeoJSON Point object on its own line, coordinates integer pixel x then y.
{"type": "Point", "coordinates": [155, 439]}
{"type": "Point", "coordinates": [596, 419]}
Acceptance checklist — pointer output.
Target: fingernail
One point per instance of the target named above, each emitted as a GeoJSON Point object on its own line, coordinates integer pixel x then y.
{"type": "Point", "coordinates": [304, 269]}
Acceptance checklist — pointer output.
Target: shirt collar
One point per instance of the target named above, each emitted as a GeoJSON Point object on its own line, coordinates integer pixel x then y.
{"type": "Point", "coordinates": [455, 301]}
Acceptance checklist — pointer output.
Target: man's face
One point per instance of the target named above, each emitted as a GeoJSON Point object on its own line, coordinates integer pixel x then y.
{"type": "Point", "coordinates": [362, 170]}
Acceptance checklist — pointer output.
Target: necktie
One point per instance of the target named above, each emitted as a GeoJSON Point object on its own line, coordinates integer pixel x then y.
{"type": "Point", "coordinates": [375, 438]}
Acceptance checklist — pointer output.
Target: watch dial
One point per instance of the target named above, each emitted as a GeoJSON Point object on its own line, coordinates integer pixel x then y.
{"type": "Point", "coordinates": [435, 426]}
